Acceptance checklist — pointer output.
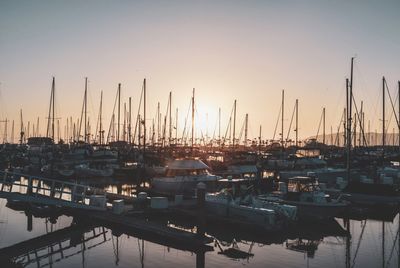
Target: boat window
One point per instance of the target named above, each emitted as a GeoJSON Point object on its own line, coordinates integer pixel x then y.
{"type": "Point", "coordinates": [296, 186]}
{"type": "Point", "coordinates": [185, 172]}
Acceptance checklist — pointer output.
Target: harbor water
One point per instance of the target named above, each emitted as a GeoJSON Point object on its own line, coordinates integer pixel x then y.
{"type": "Point", "coordinates": [341, 243]}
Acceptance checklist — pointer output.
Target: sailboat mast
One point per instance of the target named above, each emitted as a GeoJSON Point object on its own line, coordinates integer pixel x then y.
{"type": "Point", "coordinates": [85, 118]}
{"type": "Point", "coordinates": [119, 110]}
{"type": "Point", "coordinates": [53, 95]}
{"type": "Point", "coordinates": [130, 121]}
{"type": "Point", "coordinates": [101, 119]}
{"type": "Point", "coordinates": [12, 132]}
{"type": "Point", "coordinates": [219, 126]}
{"type": "Point", "coordinates": [283, 109]}
{"type": "Point", "coordinates": [49, 116]}
{"type": "Point", "coordinates": [21, 133]}
{"type": "Point", "coordinates": [297, 123]}
{"type": "Point", "coordinates": [193, 120]}
{"type": "Point", "coordinates": [144, 120]}
{"type": "Point", "coordinates": [176, 127]}
{"type": "Point", "coordinates": [234, 124]}
{"type": "Point", "coordinates": [170, 118]}
{"type": "Point", "coordinates": [37, 127]}
{"type": "Point", "coordinates": [323, 125]}
{"type": "Point", "coordinates": [348, 130]}
{"type": "Point", "coordinates": [383, 118]}
{"type": "Point", "coordinates": [246, 129]}
{"type": "Point", "coordinates": [259, 140]}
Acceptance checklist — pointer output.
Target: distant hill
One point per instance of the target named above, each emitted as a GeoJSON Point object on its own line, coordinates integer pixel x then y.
{"type": "Point", "coordinates": [371, 138]}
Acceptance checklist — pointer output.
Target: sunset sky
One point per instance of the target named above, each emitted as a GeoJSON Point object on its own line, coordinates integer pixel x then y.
{"type": "Point", "coordinates": [227, 50]}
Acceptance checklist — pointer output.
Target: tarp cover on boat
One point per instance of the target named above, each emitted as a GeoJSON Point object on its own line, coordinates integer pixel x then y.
{"type": "Point", "coordinates": [187, 164]}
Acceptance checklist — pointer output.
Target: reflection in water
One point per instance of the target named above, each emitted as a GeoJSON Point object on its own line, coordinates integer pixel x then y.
{"type": "Point", "coordinates": [64, 248]}
{"type": "Point", "coordinates": [52, 240]}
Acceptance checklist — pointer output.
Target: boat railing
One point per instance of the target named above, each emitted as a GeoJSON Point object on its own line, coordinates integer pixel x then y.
{"type": "Point", "coordinates": [37, 186]}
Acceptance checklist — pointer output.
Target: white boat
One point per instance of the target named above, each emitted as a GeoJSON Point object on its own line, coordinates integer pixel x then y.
{"type": "Point", "coordinates": [326, 175]}
{"type": "Point", "coordinates": [182, 176]}
{"type": "Point", "coordinates": [221, 204]}
{"type": "Point", "coordinates": [311, 202]}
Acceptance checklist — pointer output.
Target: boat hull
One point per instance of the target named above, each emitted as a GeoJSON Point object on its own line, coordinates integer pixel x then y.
{"type": "Point", "coordinates": [318, 211]}
{"type": "Point", "coordinates": [181, 185]}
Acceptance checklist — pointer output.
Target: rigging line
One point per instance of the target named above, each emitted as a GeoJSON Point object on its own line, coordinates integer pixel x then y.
{"type": "Point", "coordinates": [277, 122]}
{"type": "Point", "coordinates": [201, 131]}
{"type": "Point", "coordinates": [229, 124]}
{"type": "Point", "coordinates": [393, 248]}
{"type": "Point", "coordinates": [359, 120]}
{"type": "Point", "coordinates": [338, 129]}
{"type": "Point", "coordinates": [186, 119]}
{"type": "Point", "coordinates": [319, 126]}
{"type": "Point", "coordinates": [376, 105]}
{"type": "Point", "coordinates": [165, 122]}
{"type": "Point", "coordinates": [137, 116]}
{"type": "Point", "coordinates": [391, 102]}
{"type": "Point", "coordinates": [241, 131]}
{"type": "Point", "coordinates": [112, 119]}
{"type": "Point", "coordinates": [215, 128]}
{"type": "Point", "coordinates": [291, 121]}
{"type": "Point", "coordinates": [358, 244]}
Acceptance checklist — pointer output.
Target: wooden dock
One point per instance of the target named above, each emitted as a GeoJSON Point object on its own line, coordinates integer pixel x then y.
{"type": "Point", "coordinates": [148, 230]}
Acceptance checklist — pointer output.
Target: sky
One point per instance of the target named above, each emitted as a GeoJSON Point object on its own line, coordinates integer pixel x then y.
{"type": "Point", "coordinates": [244, 50]}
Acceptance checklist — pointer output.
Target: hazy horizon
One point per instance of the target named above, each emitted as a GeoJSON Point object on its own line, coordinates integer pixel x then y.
{"type": "Point", "coordinates": [226, 50]}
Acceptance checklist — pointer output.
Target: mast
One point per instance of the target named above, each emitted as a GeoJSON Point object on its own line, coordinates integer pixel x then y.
{"type": "Point", "coordinates": [101, 119]}
{"type": "Point", "coordinates": [283, 105]}
{"type": "Point", "coordinates": [37, 127]}
{"type": "Point", "coordinates": [176, 127]}
{"type": "Point", "coordinates": [345, 116]}
{"type": "Point", "coordinates": [125, 124]}
{"type": "Point", "coordinates": [5, 132]}
{"type": "Point", "coordinates": [144, 121]}
{"type": "Point", "coordinates": [219, 126]}
{"type": "Point", "coordinates": [21, 133]}
{"type": "Point", "coordinates": [52, 120]}
{"type": "Point", "coordinates": [28, 130]}
{"type": "Point", "coordinates": [234, 123]}
{"type": "Point", "coordinates": [193, 120]}
{"type": "Point", "coordinates": [246, 129]}
{"type": "Point", "coordinates": [259, 141]}
{"type": "Point", "coordinates": [348, 130]}
{"type": "Point", "coordinates": [130, 122]}
{"type": "Point", "coordinates": [170, 118]}
{"type": "Point", "coordinates": [361, 125]}
{"type": "Point", "coordinates": [85, 118]}
{"type": "Point", "coordinates": [119, 110]}
{"type": "Point", "coordinates": [323, 125]}
{"type": "Point", "coordinates": [297, 123]}
{"type": "Point", "coordinates": [158, 123]}
{"type": "Point", "coordinates": [12, 132]}
{"type": "Point", "coordinates": [383, 118]}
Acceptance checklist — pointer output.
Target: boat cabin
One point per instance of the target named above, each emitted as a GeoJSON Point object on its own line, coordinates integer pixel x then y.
{"type": "Point", "coordinates": [306, 189]}
{"type": "Point", "coordinates": [186, 167]}
{"type": "Point", "coordinates": [303, 184]}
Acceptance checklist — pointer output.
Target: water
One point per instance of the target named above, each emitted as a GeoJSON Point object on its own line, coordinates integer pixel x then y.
{"type": "Point", "coordinates": [323, 248]}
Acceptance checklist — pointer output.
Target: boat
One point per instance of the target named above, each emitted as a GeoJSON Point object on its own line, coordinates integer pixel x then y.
{"type": "Point", "coordinates": [84, 170]}
{"type": "Point", "coordinates": [181, 177]}
{"type": "Point", "coordinates": [367, 192]}
{"type": "Point", "coordinates": [222, 204]}
{"type": "Point", "coordinates": [312, 203]}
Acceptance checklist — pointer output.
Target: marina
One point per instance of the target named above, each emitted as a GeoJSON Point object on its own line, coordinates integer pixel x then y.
{"type": "Point", "coordinates": [199, 134]}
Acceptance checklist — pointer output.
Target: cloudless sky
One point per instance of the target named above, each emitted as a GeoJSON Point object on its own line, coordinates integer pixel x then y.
{"type": "Point", "coordinates": [227, 50]}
